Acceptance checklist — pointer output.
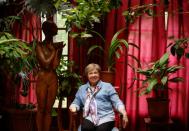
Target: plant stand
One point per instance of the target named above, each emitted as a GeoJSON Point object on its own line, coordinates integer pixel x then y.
{"type": "Point", "coordinates": [158, 109]}
{"type": "Point", "coordinates": [158, 126]}
{"type": "Point", "coordinates": [19, 120]}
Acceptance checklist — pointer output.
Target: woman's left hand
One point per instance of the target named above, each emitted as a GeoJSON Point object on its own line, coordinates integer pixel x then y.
{"type": "Point", "coordinates": [124, 117]}
{"type": "Point", "coordinates": [125, 121]}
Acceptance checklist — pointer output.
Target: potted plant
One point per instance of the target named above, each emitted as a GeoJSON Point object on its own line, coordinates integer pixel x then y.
{"type": "Point", "coordinates": [16, 57]}
{"type": "Point", "coordinates": [156, 79]}
{"type": "Point", "coordinates": [113, 52]}
{"type": "Point", "coordinates": [69, 82]}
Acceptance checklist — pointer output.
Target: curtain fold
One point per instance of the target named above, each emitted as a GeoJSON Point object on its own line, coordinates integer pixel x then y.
{"type": "Point", "coordinates": [179, 95]}
{"type": "Point", "coordinates": [78, 48]}
{"type": "Point", "coordinates": [28, 30]}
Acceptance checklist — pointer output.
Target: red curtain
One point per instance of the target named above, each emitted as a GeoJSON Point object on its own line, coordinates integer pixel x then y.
{"type": "Point", "coordinates": [28, 30]}
{"type": "Point", "coordinates": [77, 49]}
{"type": "Point", "coordinates": [151, 35]}
{"type": "Point", "coordinates": [179, 96]}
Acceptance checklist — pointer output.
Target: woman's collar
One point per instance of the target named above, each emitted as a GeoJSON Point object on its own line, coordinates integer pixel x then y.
{"type": "Point", "coordinates": [99, 85]}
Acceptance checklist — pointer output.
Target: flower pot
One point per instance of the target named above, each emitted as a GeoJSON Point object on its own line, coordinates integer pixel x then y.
{"type": "Point", "coordinates": [107, 76]}
{"type": "Point", "coordinates": [158, 109]}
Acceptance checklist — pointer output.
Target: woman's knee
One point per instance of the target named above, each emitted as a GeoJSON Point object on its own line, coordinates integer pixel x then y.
{"type": "Point", "coordinates": [87, 125]}
{"type": "Point", "coordinates": [108, 126]}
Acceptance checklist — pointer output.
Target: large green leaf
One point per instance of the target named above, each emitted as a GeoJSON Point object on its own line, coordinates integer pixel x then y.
{"type": "Point", "coordinates": [152, 83]}
{"type": "Point", "coordinates": [144, 72]}
{"type": "Point", "coordinates": [176, 79]}
{"type": "Point", "coordinates": [93, 47]}
{"type": "Point", "coordinates": [174, 68]}
{"type": "Point", "coordinates": [116, 44]}
{"type": "Point", "coordinates": [164, 80]}
{"type": "Point", "coordinates": [124, 42]}
{"type": "Point", "coordinates": [7, 41]}
{"type": "Point", "coordinates": [164, 59]}
{"type": "Point", "coordinates": [116, 34]}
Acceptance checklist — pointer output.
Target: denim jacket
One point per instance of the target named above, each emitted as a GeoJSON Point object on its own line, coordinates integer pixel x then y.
{"type": "Point", "coordinates": [106, 99]}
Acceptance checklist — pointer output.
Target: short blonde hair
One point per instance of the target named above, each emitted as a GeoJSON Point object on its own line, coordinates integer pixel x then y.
{"type": "Point", "coordinates": [92, 66]}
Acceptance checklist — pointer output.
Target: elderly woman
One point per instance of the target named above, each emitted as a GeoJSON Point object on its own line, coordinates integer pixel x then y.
{"type": "Point", "coordinates": [97, 98]}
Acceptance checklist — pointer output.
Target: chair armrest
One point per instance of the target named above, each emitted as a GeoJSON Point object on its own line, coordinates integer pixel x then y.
{"type": "Point", "coordinates": [75, 119]}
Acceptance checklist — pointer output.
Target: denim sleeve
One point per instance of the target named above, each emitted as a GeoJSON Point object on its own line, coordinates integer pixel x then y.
{"type": "Point", "coordinates": [116, 101]}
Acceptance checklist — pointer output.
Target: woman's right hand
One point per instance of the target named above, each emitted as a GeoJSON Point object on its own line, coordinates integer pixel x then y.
{"type": "Point", "coordinates": [73, 108]}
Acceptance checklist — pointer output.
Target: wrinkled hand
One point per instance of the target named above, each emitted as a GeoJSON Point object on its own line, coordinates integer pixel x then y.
{"type": "Point", "coordinates": [125, 121]}
{"type": "Point", "coordinates": [73, 108]}
{"type": "Point", "coordinates": [124, 117]}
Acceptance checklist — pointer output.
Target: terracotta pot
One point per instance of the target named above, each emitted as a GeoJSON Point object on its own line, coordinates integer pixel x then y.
{"type": "Point", "coordinates": [107, 76]}
{"type": "Point", "coordinates": [158, 109]}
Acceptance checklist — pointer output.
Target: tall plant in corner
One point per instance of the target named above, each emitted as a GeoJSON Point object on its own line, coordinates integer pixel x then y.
{"type": "Point", "coordinates": [115, 48]}
{"type": "Point", "coordinates": [114, 51]}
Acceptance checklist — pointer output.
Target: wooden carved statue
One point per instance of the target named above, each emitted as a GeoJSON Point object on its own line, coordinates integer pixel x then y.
{"type": "Point", "coordinates": [48, 55]}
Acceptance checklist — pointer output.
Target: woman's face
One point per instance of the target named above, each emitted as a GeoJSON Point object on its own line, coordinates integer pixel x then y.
{"type": "Point", "coordinates": [93, 77]}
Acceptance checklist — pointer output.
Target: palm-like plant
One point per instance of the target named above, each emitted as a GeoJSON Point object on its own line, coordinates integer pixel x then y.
{"type": "Point", "coordinates": [115, 48]}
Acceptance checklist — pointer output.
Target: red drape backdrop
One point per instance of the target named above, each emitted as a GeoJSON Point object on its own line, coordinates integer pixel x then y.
{"type": "Point", "coordinates": [151, 35]}
{"type": "Point", "coordinates": [28, 30]}
{"type": "Point", "coordinates": [179, 28]}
